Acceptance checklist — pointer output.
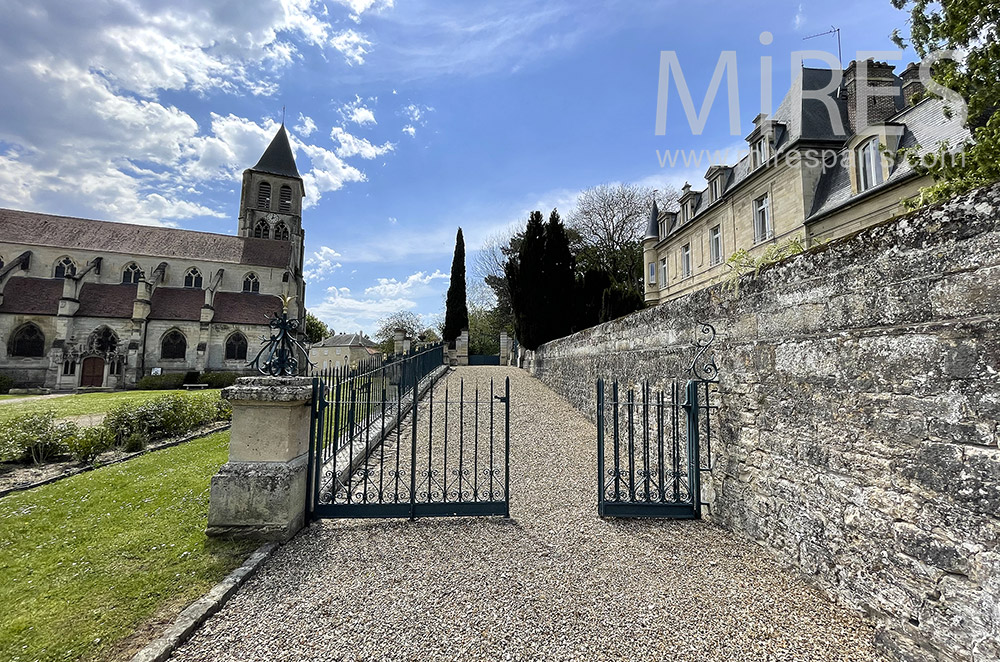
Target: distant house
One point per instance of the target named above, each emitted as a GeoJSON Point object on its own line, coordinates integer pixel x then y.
{"type": "Point", "coordinates": [342, 349]}
{"type": "Point", "coordinates": [802, 177]}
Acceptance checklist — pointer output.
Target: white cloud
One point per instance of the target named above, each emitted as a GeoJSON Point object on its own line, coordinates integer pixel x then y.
{"type": "Point", "coordinates": [416, 285]}
{"type": "Point", "coordinates": [322, 264]}
{"type": "Point", "coordinates": [83, 128]}
{"type": "Point", "coordinates": [359, 7]}
{"type": "Point", "coordinates": [800, 18]}
{"type": "Point", "coordinates": [417, 116]}
{"type": "Point", "coordinates": [306, 126]}
{"type": "Point", "coordinates": [342, 310]}
{"type": "Point", "coordinates": [410, 130]}
{"type": "Point", "coordinates": [349, 145]}
{"type": "Point", "coordinates": [393, 220]}
{"type": "Point", "coordinates": [352, 45]}
{"type": "Point", "coordinates": [356, 111]}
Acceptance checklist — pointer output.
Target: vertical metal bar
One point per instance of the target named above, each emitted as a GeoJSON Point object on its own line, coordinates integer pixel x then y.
{"type": "Point", "coordinates": [675, 442]}
{"type": "Point", "coordinates": [631, 444]}
{"type": "Point", "coordinates": [461, 432]}
{"type": "Point", "coordinates": [334, 440]}
{"type": "Point", "coordinates": [413, 454]}
{"type": "Point", "coordinates": [694, 473]}
{"type": "Point", "coordinates": [600, 447]}
{"type": "Point", "coordinates": [506, 434]}
{"type": "Point", "coordinates": [475, 442]}
{"type": "Point", "coordinates": [399, 433]}
{"type": "Point", "coordinates": [366, 472]}
{"type": "Point", "coordinates": [430, 434]}
{"type": "Point", "coordinates": [659, 446]}
{"type": "Point", "coordinates": [446, 385]}
{"type": "Point", "coordinates": [614, 416]}
{"type": "Point", "coordinates": [381, 446]}
{"type": "Point", "coordinates": [315, 429]}
{"type": "Point", "coordinates": [492, 398]}
{"type": "Point", "coordinates": [645, 438]}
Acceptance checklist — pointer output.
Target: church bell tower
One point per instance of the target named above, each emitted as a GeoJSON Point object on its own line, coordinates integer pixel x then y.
{"type": "Point", "coordinates": [271, 205]}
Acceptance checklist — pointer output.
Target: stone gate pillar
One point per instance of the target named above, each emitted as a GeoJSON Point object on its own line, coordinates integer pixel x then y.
{"type": "Point", "coordinates": [260, 492]}
{"type": "Point", "coordinates": [504, 348]}
{"type": "Point", "coordinates": [462, 348]}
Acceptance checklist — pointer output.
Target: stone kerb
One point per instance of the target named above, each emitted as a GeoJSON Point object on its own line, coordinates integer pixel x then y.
{"type": "Point", "coordinates": [260, 492]}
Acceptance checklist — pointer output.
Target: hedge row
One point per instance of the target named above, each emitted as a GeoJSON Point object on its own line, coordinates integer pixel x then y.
{"type": "Point", "coordinates": [130, 427]}
{"type": "Point", "coordinates": [176, 380]}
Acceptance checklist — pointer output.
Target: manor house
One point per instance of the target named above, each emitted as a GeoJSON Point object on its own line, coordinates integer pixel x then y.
{"type": "Point", "coordinates": [802, 177]}
{"type": "Point", "coordinates": [87, 303]}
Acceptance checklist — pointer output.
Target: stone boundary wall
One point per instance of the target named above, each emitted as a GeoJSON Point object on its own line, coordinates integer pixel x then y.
{"type": "Point", "coordinates": [858, 432]}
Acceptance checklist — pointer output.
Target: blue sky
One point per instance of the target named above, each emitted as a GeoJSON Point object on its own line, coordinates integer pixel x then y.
{"type": "Point", "coordinates": [409, 118]}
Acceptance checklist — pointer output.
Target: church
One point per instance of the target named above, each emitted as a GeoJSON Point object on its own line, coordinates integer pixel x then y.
{"type": "Point", "coordinates": [95, 304]}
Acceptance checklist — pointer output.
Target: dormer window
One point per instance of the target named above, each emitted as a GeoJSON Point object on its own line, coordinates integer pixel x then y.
{"type": "Point", "coordinates": [869, 165]}
{"type": "Point", "coordinates": [285, 199]}
{"type": "Point", "coordinates": [716, 188]}
{"type": "Point", "coordinates": [663, 228]}
{"type": "Point", "coordinates": [193, 278]}
{"type": "Point", "coordinates": [760, 151]}
{"type": "Point", "coordinates": [263, 196]}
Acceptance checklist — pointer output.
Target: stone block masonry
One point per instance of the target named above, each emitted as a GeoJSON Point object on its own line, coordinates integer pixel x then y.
{"type": "Point", "coordinates": [858, 428]}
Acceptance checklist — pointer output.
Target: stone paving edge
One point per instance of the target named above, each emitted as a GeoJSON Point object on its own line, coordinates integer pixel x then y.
{"type": "Point", "coordinates": [196, 613]}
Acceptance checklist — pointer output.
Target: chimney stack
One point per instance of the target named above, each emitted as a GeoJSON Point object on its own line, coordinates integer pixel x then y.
{"type": "Point", "coordinates": [876, 81]}
{"type": "Point", "coordinates": [912, 86]}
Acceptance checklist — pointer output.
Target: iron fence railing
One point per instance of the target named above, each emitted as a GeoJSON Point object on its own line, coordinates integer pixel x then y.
{"type": "Point", "coordinates": [369, 393]}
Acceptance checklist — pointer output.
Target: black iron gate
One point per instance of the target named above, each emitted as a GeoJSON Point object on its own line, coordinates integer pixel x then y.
{"type": "Point", "coordinates": [382, 444]}
{"type": "Point", "coordinates": [652, 465]}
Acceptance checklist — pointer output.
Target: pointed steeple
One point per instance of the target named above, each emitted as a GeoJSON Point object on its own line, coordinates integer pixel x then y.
{"type": "Point", "coordinates": [278, 158]}
{"type": "Point", "coordinates": [653, 229]}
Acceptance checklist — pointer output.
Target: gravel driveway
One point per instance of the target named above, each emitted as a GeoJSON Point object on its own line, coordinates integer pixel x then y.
{"type": "Point", "coordinates": [554, 582]}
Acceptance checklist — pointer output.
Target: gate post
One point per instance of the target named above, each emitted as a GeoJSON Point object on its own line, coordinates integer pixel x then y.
{"type": "Point", "coordinates": [260, 492]}
{"type": "Point", "coordinates": [693, 446]}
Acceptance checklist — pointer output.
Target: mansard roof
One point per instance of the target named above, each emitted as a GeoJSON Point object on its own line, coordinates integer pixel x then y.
{"type": "Point", "coordinates": [278, 158]}
{"type": "Point", "coordinates": [345, 340]}
{"type": "Point", "coordinates": [36, 229]}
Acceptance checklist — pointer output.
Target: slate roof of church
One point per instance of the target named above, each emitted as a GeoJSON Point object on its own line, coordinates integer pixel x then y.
{"type": "Point", "coordinates": [36, 229]}
{"type": "Point", "coordinates": [245, 307]}
{"type": "Point", "coordinates": [278, 158]}
{"type": "Point", "coordinates": [32, 296]}
{"type": "Point", "coordinates": [106, 300]}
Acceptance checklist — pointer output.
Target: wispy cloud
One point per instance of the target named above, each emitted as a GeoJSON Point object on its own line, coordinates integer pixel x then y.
{"type": "Point", "coordinates": [800, 18]}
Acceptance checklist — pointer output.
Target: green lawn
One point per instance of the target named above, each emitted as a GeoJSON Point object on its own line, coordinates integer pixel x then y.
{"type": "Point", "coordinates": [12, 397]}
{"type": "Point", "coordinates": [82, 403]}
{"type": "Point", "coordinates": [87, 560]}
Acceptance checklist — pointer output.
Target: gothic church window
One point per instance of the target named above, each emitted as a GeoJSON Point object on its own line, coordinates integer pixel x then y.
{"type": "Point", "coordinates": [131, 274]}
{"type": "Point", "coordinates": [173, 345]}
{"type": "Point", "coordinates": [65, 268]}
{"type": "Point", "coordinates": [193, 278]}
{"type": "Point", "coordinates": [236, 347]}
{"type": "Point", "coordinates": [285, 200]}
{"type": "Point", "coordinates": [251, 283]}
{"type": "Point", "coordinates": [27, 341]}
{"type": "Point", "coordinates": [262, 230]}
{"type": "Point", "coordinates": [263, 196]}
{"type": "Point", "coordinates": [281, 231]}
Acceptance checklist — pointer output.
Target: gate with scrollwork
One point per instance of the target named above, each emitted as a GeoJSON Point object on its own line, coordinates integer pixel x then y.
{"type": "Point", "coordinates": [653, 444]}
{"type": "Point", "coordinates": [384, 444]}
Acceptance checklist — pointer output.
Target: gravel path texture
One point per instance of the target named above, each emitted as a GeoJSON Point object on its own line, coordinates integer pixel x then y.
{"type": "Point", "coordinates": [553, 582]}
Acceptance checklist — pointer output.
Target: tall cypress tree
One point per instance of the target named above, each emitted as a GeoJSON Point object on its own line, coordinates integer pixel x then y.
{"type": "Point", "coordinates": [456, 314]}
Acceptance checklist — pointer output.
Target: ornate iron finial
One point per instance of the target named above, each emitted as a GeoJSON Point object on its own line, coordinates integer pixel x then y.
{"type": "Point", "coordinates": [707, 371]}
{"type": "Point", "coordinates": [278, 351]}
{"type": "Point", "coordinates": [285, 300]}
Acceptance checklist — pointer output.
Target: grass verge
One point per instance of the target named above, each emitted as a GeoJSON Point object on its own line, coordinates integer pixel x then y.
{"type": "Point", "coordinates": [88, 560]}
{"type": "Point", "coordinates": [81, 403]}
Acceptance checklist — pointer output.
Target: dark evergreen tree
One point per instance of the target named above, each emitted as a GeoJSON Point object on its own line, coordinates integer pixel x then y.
{"type": "Point", "coordinates": [560, 282]}
{"type": "Point", "coordinates": [526, 281]}
{"type": "Point", "coordinates": [456, 314]}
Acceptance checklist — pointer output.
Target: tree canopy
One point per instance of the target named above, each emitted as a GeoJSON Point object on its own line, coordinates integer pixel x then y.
{"type": "Point", "coordinates": [972, 29]}
{"type": "Point", "coordinates": [316, 329]}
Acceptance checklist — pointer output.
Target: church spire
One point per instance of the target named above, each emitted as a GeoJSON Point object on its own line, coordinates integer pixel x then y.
{"type": "Point", "coordinates": [278, 158]}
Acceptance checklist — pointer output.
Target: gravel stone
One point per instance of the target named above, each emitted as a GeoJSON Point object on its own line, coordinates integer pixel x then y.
{"type": "Point", "coordinates": [553, 582]}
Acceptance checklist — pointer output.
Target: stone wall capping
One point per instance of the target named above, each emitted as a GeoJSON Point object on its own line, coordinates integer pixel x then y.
{"type": "Point", "coordinates": [270, 389]}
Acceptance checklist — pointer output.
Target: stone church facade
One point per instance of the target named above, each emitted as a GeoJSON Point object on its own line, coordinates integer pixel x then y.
{"type": "Point", "coordinates": [94, 304]}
